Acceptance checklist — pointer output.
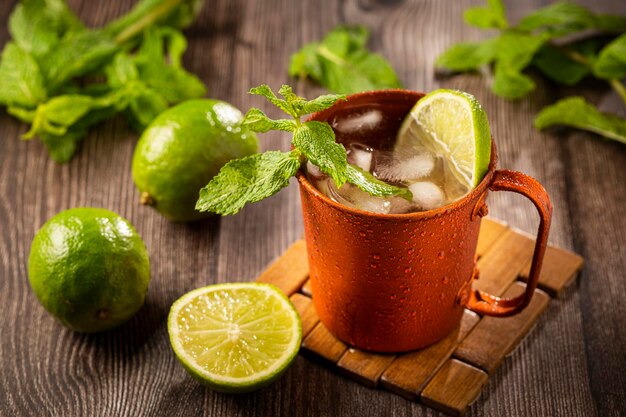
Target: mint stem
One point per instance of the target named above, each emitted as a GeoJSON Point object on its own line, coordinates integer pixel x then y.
{"type": "Point", "coordinates": [583, 60]}
{"type": "Point", "coordinates": [146, 20]}
{"type": "Point", "coordinates": [619, 88]}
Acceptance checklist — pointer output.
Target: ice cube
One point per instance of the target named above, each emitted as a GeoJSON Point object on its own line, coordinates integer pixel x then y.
{"type": "Point", "coordinates": [361, 156]}
{"type": "Point", "coordinates": [358, 122]}
{"type": "Point", "coordinates": [401, 168]}
{"type": "Point", "coordinates": [427, 195]}
{"type": "Point", "coordinates": [313, 170]}
{"type": "Point", "coordinates": [400, 205]}
{"type": "Point", "coordinates": [355, 197]}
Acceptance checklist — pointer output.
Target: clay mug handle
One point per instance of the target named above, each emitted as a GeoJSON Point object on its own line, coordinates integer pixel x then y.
{"type": "Point", "coordinates": [504, 180]}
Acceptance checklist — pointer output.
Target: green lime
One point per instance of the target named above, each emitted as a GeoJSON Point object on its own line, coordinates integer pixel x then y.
{"type": "Point", "coordinates": [182, 149]}
{"type": "Point", "coordinates": [235, 337]}
{"type": "Point", "coordinates": [89, 268]}
{"type": "Point", "coordinates": [454, 125]}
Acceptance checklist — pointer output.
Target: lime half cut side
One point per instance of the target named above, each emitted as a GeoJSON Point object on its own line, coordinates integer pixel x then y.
{"type": "Point", "coordinates": [235, 337]}
{"type": "Point", "coordinates": [451, 124]}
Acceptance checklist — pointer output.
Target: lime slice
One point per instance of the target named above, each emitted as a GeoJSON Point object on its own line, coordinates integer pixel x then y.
{"type": "Point", "coordinates": [452, 124]}
{"type": "Point", "coordinates": [235, 337]}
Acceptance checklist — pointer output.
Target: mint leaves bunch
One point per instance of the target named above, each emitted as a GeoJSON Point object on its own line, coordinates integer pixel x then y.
{"type": "Point", "coordinates": [262, 175]}
{"type": "Point", "coordinates": [342, 63]}
{"type": "Point", "coordinates": [542, 40]}
{"type": "Point", "coordinates": [62, 77]}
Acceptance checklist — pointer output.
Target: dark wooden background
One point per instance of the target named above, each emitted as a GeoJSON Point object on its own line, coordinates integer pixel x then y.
{"type": "Point", "coordinates": [572, 364]}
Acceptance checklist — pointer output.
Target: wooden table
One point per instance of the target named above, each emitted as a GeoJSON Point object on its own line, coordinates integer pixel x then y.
{"type": "Point", "coordinates": [572, 364]}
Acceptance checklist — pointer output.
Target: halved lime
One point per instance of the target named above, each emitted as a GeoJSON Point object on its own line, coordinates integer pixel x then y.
{"type": "Point", "coordinates": [454, 125]}
{"type": "Point", "coordinates": [235, 337]}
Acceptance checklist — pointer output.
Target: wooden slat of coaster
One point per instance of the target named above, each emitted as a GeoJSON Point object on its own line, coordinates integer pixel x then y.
{"type": "Point", "coordinates": [364, 367]}
{"type": "Point", "coordinates": [493, 338]}
{"type": "Point", "coordinates": [410, 372]}
{"type": "Point", "coordinates": [501, 265]}
{"type": "Point", "coordinates": [454, 387]}
{"type": "Point", "coordinates": [307, 312]}
{"type": "Point", "coordinates": [322, 342]}
{"type": "Point", "coordinates": [559, 270]}
{"type": "Point", "coordinates": [290, 270]}
{"type": "Point", "coordinates": [306, 288]}
{"type": "Point", "coordinates": [490, 231]}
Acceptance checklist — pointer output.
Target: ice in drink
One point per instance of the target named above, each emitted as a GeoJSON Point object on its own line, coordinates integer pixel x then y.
{"type": "Point", "coordinates": [431, 178]}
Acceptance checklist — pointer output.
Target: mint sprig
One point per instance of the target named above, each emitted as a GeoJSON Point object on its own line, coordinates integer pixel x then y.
{"type": "Point", "coordinates": [537, 41]}
{"type": "Point", "coordinates": [259, 176]}
{"type": "Point", "coordinates": [43, 68]}
{"type": "Point", "coordinates": [342, 63]}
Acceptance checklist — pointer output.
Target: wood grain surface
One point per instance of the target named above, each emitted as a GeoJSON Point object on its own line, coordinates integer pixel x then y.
{"type": "Point", "coordinates": [573, 364]}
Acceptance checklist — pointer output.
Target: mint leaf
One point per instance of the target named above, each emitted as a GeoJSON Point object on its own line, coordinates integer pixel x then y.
{"type": "Point", "coordinates": [37, 25]}
{"type": "Point", "coordinates": [265, 91]}
{"type": "Point", "coordinates": [248, 180]}
{"type": "Point", "coordinates": [557, 66]}
{"type": "Point", "coordinates": [566, 18]}
{"type": "Point", "coordinates": [61, 148]}
{"type": "Point", "coordinates": [321, 103]}
{"type": "Point", "coordinates": [77, 54]}
{"type": "Point", "coordinates": [316, 140]}
{"type": "Point", "coordinates": [342, 63]}
{"type": "Point", "coordinates": [21, 82]}
{"type": "Point", "coordinates": [576, 112]}
{"type": "Point", "coordinates": [145, 105]}
{"type": "Point", "coordinates": [491, 17]}
{"type": "Point", "coordinates": [515, 52]}
{"type": "Point", "coordinates": [510, 83]}
{"type": "Point", "coordinates": [121, 71]}
{"type": "Point", "coordinates": [611, 62]}
{"type": "Point", "coordinates": [370, 184]}
{"type": "Point", "coordinates": [159, 65]}
{"type": "Point", "coordinates": [257, 121]}
{"type": "Point", "coordinates": [468, 56]}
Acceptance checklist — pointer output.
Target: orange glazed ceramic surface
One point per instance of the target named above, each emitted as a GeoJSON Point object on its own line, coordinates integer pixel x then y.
{"type": "Point", "coordinates": [398, 282]}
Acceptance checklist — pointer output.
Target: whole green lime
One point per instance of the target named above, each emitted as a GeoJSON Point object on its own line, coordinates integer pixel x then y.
{"type": "Point", "coordinates": [182, 149]}
{"type": "Point", "coordinates": [89, 268]}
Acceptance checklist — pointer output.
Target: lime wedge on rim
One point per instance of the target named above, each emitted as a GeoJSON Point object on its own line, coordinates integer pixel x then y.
{"type": "Point", "coordinates": [452, 124]}
{"type": "Point", "coordinates": [235, 337]}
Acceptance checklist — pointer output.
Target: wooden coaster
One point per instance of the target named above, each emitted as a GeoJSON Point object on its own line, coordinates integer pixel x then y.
{"type": "Point", "coordinates": [450, 374]}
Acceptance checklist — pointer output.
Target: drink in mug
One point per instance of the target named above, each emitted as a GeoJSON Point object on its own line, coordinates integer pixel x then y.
{"type": "Point", "coordinates": [371, 145]}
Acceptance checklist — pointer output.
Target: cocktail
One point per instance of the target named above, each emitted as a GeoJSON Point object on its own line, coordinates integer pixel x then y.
{"type": "Point", "coordinates": [389, 274]}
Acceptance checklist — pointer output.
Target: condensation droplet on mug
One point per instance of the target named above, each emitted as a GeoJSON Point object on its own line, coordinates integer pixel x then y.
{"type": "Point", "coordinates": [411, 251]}
{"type": "Point", "coordinates": [376, 256]}
{"type": "Point", "coordinates": [445, 280]}
{"type": "Point", "coordinates": [362, 234]}
{"type": "Point", "coordinates": [407, 270]}
{"type": "Point", "coordinates": [441, 255]}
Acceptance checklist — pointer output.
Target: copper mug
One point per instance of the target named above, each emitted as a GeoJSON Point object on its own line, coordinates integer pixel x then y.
{"type": "Point", "coordinates": [398, 282]}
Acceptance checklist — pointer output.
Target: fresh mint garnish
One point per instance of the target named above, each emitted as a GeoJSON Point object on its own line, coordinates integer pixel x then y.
{"type": "Point", "coordinates": [259, 176]}
{"type": "Point", "coordinates": [535, 42]}
{"type": "Point", "coordinates": [342, 63]}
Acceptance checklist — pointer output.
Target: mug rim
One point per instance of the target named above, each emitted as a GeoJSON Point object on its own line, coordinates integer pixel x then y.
{"type": "Point", "coordinates": [417, 215]}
